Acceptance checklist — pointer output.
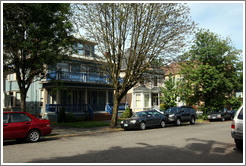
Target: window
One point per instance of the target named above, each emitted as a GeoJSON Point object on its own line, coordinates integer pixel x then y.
{"type": "Point", "coordinates": [156, 114]}
{"type": "Point", "coordinates": [138, 100]}
{"type": "Point", "coordinates": [87, 51]}
{"type": "Point", "coordinates": [12, 77]}
{"type": "Point", "coordinates": [83, 69]}
{"type": "Point", "coordinates": [80, 49]}
{"type": "Point", "coordinates": [155, 81]}
{"type": "Point", "coordinates": [240, 115]}
{"type": "Point", "coordinates": [63, 67]}
{"type": "Point", "coordinates": [5, 118]}
{"type": "Point", "coordinates": [75, 68]}
{"type": "Point", "coordinates": [16, 117]}
{"type": "Point", "coordinates": [146, 100]}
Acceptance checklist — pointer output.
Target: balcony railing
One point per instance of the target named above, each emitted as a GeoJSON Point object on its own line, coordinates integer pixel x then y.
{"type": "Point", "coordinates": [77, 77]}
{"type": "Point", "coordinates": [72, 108]}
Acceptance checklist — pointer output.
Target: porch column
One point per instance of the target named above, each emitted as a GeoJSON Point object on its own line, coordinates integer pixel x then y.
{"type": "Point", "coordinates": [58, 97]}
{"type": "Point", "coordinates": [86, 101]}
{"type": "Point", "coordinates": [45, 96]}
{"type": "Point", "coordinates": [142, 100]}
{"type": "Point", "coordinates": [106, 96]}
{"type": "Point", "coordinates": [133, 102]}
{"type": "Point", "coordinates": [4, 91]}
{"type": "Point", "coordinates": [150, 101]}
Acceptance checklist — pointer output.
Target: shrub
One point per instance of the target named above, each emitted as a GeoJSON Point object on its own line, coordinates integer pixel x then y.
{"type": "Point", "coordinates": [126, 113]}
{"type": "Point", "coordinates": [70, 117]}
{"type": "Point", "coordinates": [163, 107]}
{"type": "Point", "coordinates": [62, 116]}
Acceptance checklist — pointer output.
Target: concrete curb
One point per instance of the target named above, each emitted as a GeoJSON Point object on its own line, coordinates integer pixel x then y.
{"type": "Point", "coordinates": [83, 132]}
{"type": "Point", "coordinates": [66, 132]}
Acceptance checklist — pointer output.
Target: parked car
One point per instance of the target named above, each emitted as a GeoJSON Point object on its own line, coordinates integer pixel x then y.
{"type": "Point", "coordinates": [143, 119]}
{"type": "Point", "coordinates": [219, 114]}
{"type": "Point", "coordinates": [237, 128]}
{"type": "Point", "coordinates": [178, 115]}
{"type": "Point", "coordinates": [22, 125]}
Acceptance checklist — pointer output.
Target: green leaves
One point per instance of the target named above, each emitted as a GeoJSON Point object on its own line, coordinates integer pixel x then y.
{"type": "Point", "coordinates": [170, 93]}
{"type": "Point", "coordinates": [209, 69]}
{"type": "Point", "coordinates": [34, 35]}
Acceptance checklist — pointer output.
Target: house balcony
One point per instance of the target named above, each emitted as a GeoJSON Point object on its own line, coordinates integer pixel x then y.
{"type": "Point", "coordinates": [77, 77]}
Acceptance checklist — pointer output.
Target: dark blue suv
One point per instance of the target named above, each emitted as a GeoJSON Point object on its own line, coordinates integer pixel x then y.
{"type": "Point", "coordinates": [177, 115]}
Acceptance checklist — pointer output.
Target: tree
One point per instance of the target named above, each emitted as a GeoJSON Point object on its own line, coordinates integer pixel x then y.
{"type": "Point", "coordinates": [170, 92]}
{"type": "Point", "coordinates": [131, 35]}
{"type": "Point", "coordinates": [34, 36]}
{"type": "Point", "coordinates": [209, 70]}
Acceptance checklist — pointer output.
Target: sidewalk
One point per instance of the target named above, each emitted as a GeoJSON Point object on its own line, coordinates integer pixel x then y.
{"type": "Point", "coordinates": [70, 131]}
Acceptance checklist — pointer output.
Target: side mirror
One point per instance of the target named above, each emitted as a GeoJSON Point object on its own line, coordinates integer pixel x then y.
{"type": "Point", "coordinates": [148, 116]}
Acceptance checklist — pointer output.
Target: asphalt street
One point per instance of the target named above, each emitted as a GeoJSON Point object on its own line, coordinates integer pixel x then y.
{"type": "Point", "coordinates": [199, 143]}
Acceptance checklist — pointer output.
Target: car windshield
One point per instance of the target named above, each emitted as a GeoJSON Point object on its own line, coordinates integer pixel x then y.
{"type": "Point", "coordinates": [170, 111]}
{"type": "Point", "coordinates": [139, 114]}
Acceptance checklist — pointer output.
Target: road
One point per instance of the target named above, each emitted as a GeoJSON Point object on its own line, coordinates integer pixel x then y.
{"type": "Point", "coordinates": [199, 143]}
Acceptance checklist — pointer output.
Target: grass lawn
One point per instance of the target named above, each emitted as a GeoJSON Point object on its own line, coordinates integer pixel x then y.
{"type": "Point", "coordinates": [82, 124]}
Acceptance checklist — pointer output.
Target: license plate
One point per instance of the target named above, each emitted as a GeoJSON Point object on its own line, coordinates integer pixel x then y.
{"type": "Point", "coordinates": [125, 125]}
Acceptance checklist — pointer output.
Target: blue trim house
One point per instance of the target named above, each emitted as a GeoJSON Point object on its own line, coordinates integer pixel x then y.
{"type": "Point", "coordinates": [76, 84]}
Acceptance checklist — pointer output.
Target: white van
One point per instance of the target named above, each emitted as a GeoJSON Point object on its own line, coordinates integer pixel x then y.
{"type": "Point", "coordinates": [237, 128]}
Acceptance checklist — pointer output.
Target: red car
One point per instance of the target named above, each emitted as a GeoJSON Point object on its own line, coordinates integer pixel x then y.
{"type": "Point", "coordinates": [22, 125]}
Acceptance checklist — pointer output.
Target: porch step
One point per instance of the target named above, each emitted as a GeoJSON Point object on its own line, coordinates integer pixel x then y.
{"type": "Point", "coordinates": [101, 116]}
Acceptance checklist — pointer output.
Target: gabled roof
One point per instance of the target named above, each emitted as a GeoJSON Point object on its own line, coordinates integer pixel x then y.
{"type": "Point", "coordinates": [141, 88]}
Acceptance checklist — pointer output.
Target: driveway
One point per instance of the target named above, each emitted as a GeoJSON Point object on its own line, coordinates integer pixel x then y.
{"type": "Point", "coordinates": [199, 143]}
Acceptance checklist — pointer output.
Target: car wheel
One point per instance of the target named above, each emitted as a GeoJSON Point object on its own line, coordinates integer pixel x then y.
{"type": "Point", "coordinates": [223, 119]}
{"type": "Point", "coordinates": [142, 126]}
{"type": "Point", "coordinates": [178, 122]}
{"type": "Point", "coordinates": [163, 124]}
{"type": "Point", "coordinates": [192, 121]}
{"type": "Point", "coordinates": [33, 136]}
{"type": "Point", "coordinates": [239, 143]}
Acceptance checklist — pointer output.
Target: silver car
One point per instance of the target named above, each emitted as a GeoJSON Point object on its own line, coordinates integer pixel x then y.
{"type": "Point", "coordinates": [237, 128]}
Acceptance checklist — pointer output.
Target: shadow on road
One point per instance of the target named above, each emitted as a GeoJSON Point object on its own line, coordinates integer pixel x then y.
{"type": "Point", "coordinates": [196, 151]}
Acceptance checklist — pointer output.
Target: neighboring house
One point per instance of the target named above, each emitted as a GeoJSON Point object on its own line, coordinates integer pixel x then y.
{"type": "Point", "coordinates": [77, 84]}
{"type": "Point", "coordinates": [146, 94]}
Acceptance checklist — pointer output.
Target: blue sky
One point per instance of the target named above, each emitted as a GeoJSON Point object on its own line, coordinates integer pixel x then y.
{"type": "Point", "coordinates": [225, 19]}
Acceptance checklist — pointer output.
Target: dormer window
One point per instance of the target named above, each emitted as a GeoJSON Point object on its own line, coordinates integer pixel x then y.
{"type": "Point", "coordinates": [84, 50]}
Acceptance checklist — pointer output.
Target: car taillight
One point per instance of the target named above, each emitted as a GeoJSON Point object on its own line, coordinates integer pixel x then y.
{"type": "Point", "coordinates": [233, 124]}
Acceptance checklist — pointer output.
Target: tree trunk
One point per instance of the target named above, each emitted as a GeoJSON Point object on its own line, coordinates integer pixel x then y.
{"type": "Point", "coordinates": [23, 101]}
{"type": "Point", "coordinates": [114, 118]}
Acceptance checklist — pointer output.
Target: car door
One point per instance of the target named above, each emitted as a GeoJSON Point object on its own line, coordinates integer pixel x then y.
{"type": "Point", "coordinates": [157, 118]}
{"type": "Point", "coordinates": [150, 121]}
{"type": "Point", "coordinates": [183, 114]}
{"type": "Point", "coordinates": [18, 125]}
{"type": "Point", "coordinates": [5, 125]}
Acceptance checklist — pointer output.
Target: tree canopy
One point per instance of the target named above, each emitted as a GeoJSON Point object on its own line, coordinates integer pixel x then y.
{"type": "Point", "coordinates": [170, 92]}
{"type": "Point", "coordinates": [209, 70]}
{"type": "Point", "coordinates": [131, 36]}
{"type": "Point", "coordinates": [34, 35]}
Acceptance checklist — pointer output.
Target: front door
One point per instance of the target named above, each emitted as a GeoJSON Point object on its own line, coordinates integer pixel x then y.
{"type": "Point", "coordinates": [154, 100]}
